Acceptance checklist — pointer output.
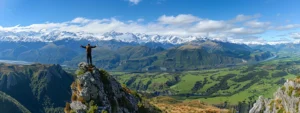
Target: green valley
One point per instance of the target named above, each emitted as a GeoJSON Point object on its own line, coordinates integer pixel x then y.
{"type": "Point", "coordinates": [216, 86]}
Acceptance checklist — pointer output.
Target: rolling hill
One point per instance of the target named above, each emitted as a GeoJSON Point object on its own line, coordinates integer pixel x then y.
{"type": "Point", "coordinates": [190, 56]}
{"type": "Point", "coordinates": [39, 88]}
{"type": "Point", "coordinates": [237, 87]}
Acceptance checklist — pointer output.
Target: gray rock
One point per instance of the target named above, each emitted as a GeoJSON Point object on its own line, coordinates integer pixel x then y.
{"type": "Point", "coordinates": [104, 90]}
{"type": "Point", "coordinates": [83, 66]}
{"type": "Point", "coordinates": [78, 106]}
{"type": "Point", "coordinates": [286, 99]}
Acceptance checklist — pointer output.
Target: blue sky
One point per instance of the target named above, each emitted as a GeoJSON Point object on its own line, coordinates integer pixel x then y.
{"type": "Point", "coordinates": [271, 20]}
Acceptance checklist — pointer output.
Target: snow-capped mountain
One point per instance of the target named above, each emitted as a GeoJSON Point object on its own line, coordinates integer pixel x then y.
{"type": "Point", "coordinates": [43, 36]}
{"type": "Point", "coordinates": [51, 36]}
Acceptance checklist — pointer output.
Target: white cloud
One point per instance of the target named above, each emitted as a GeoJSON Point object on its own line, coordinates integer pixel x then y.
{"type": "Point", "coordinates": [243, 31]}
{"type": "Point", "coordinates": [256, 24]}
{"type": "Point", "coordinates": [241, 17]}
{"type": "Point", "coordinates": [135, 2]}
{"type": "Point", "coordinates": [210, 26]}
{"type": "Point", "coordinates": [80, 20]}
{"type": "Point", "coordinates": [140, 20]}
{"type": "Point", "coordinates": [181, 25]}
{"type": "Point", "coordinates": [249, 39]}
{"type": "Point", "coordinates": [178, 20]}
{"type": "Point", "coordinates": [287, 27]}
{"type": "Point", "coordinates": [295, 35]}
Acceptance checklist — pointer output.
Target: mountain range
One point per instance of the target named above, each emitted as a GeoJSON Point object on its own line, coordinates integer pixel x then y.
{"type": "Point", "coordinates": [127, 51]}
{"type": "Point", "coordinates": [43, 36]}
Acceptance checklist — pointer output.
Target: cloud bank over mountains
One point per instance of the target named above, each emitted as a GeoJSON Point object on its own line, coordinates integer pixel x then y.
{"type": "Point", "coordinates": [239, 28]}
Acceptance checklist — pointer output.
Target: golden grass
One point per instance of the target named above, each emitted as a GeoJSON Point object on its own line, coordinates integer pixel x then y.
{"type": "Point", "coordinates": [195, 106]}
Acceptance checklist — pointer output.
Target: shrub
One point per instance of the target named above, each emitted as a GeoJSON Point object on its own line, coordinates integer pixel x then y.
{"type": "Point", "coordinates": [283, 88]}
{"type": "Point", "coordinates": [104, 111]}
{"type": "Point", "coordinates": [290, 91]}
{"type": "Point", "coordinates": [127, 90]}
{"type": "Point", "coordinates": [79, 72]}
{"type": "Point", "coordinates": [281, 110]}
{"type": "Point", "coordinates": [271, 105]}
{"type": "Point", "coordinates": [297, 93]}
{"type": "Point", "coordinates": [92, 109]}
{"type": "Point", "coordinates": [140, 104]}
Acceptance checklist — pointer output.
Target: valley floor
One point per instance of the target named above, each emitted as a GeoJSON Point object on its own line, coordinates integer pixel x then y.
{"type": "Point", "coordinates": [232, 85]}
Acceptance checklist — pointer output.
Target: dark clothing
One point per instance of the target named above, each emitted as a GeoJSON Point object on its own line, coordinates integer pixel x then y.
{"type": "Point", "coordinates": [89, 53]}
{"type": "Point", "coordinates": [89, 59]}
{"type": "Point", "coordinates": [88, 49]}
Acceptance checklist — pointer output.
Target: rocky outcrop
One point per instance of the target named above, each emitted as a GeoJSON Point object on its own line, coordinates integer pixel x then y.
{"type": "Point", "coordinates": [96, 91]}
{"type": "Point", "coordinates": [286, 100]}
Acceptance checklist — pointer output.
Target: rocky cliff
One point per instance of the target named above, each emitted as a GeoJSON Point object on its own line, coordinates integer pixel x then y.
{"type": "Point", "coordinates": [95, 91]}
{"type": "Point", "coordinates": [286, 100]}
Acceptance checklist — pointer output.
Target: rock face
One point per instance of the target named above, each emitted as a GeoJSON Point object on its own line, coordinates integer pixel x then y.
{"type": "Point", "coordinates": [95, 90]}
{"type": "Point", "coordinates": [286, 100]}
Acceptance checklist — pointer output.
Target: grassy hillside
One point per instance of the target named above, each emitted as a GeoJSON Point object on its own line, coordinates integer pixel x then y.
{"type": "Point", "coordinates": [190, 56]}
{"type": "Point", "coordinates": [11, 105]}
{"type": "Point", "coordinates": [40, 88]}
{"type": "Point", "coordinates": [216, 86]}
{"type": "Point", "coordinates": [171, 105]}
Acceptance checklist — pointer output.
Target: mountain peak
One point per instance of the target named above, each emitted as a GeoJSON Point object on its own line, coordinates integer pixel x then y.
{"type": "Point", "coordinates": [95, 90]}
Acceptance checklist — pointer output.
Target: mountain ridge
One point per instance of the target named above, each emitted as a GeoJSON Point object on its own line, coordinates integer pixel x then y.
{"type": "Point", "coordinates": [140, 38]}
{"type": "Point", "coordinates": [43, 88]}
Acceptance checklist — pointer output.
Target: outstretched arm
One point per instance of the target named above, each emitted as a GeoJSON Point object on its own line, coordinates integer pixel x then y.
{"type": "Point", "coordinates": [94, 46]}
{"type": "Point", "coordinates": [82, 46]}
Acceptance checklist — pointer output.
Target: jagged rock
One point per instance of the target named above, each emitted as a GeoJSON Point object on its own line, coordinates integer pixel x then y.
{"type": "Point", "coordinates": [83, 66]}
{"type": "Point", "coordinates": [98, 88]}
{"type": "Point", "coordinates": [286, 100]}
{"type": "Point", "coordinates": [78, 106]}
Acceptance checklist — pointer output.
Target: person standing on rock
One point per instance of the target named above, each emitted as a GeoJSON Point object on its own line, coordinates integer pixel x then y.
{"type": "Point", "coordinates": [89, 53]}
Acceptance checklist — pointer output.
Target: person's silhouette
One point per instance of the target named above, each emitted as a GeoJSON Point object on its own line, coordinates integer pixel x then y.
{"type": "Point", "coordinates": [89, 53]}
